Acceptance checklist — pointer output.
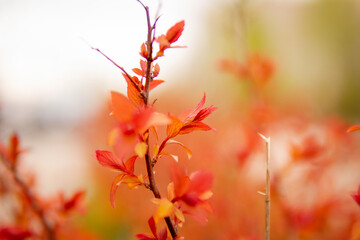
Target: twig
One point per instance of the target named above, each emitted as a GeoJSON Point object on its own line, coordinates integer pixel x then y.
{"type": "Point", "coordinates": [267, 193]}
{"type": "Point", "coordinates": [149, 166]}
{"type": "Point", "coordinates": [30, 198]}
{"type": "Point", "coordinates": [121, 68]}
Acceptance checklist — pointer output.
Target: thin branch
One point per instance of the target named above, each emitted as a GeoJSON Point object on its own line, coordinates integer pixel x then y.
{"type": "Point", "coordinates": [31, 199]}
{"type": "Point", "coordinates": [149, 166]}
{"type": "Point", "coordinates": [267, 193]}
{"type": "Point", "coordinates": [149, 56]}
{"type": "Point", "coordinates": [121, 68]}
{"type": "Point", "coordinates": [154, 28]}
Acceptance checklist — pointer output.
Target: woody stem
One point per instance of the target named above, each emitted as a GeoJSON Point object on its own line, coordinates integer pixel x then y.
{"type": "Point", "coordinates": [31, 199]}
{"type": "Point", "coordinates": [149, 167]}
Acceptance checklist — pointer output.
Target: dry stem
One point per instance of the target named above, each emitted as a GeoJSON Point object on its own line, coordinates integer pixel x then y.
{"type": "Point", "coordinates": [267, 193]}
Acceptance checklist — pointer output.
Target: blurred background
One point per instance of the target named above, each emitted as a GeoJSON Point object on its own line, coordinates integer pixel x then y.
{"type": "Point", "coordinates": [54, 92]}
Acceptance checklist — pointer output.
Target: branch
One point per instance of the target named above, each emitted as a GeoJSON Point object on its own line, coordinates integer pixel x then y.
{"type": "Point", "coordinates": [267, 193]}
{"type": "Point", "coordinates": [30, 198]}
{"type": "Point", "coordinates": [149, 166]}
{"type": "Point", "coordinates": [121, 68]}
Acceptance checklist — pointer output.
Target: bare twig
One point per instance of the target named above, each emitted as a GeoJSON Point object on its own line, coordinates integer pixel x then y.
{"type": "Point", "coordinates": [122, 69]}
{"type": "Point", "coordinates": [267, 193]}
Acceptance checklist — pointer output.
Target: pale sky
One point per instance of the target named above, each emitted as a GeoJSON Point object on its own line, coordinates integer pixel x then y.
{"type": "Point", "coordinates": [41, 47]}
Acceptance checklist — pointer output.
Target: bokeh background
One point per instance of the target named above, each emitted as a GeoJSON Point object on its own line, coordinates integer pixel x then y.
{"type": "Point", "coordinates": [54, 93]}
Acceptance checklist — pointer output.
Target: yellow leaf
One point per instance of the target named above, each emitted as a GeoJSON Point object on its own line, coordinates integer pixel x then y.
{"type": "Point", "coordinates": [164, 210]}
{"type": "Point", "coordinates": [176, 158]}
{"type": "Point", "coordinates": [141, 149]}
{"type": "Point", "coordinates": [178, 213]}
{"type": "Point", "coordinates": [132, 182]}
{"type": "Point", "coordinates": [155, 151]}
{"type": "Point", "coordinates": [189, 154]}
{"type": "Point", "coordinates": [112, 136]}
{"type": "Point", "coordinates": [170, 191]}
{"type": "Point", "coordinates": [206, 195]}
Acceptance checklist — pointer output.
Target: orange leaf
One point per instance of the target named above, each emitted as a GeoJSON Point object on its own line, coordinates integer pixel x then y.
{"type": "Point", "coordinates": [132, 92]}
{"type": "Point", "coordinates": [133, 181]}
{"type": "Point", "coordinates": [156, 70]}
{"type": "Point", "coordinates": [173, 34]}
{"type": "Point", "coordinates": [353, 128]}
{"type": "Point", "coordinates": [155, 83]}
{"type": "Point", "coordinates": [174, 128]}
{"type": "Point", "coordinates": [180, 180]}
{"type": "Point", "coordinates": [143, 51]}
{"type": "Point", "coordinates": [138, 71]}
{"type": "Point", "coordinates": [121, 107]}
{"type": "Point", "coordinates": [170, 191]}
{"type": "Point", "coordinates": [117, 181]}
{"type": "Point", "coordinates": [158, 119]}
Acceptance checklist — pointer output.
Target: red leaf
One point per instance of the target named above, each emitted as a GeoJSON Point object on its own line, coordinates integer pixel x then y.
{"type": "Point", "coordinates": [14, 148]}
{"type": "Point", "coordinates": [204, 113]}
{"type": "Point", "coordinates": [130, 164]}
{"type": "Point", "coordinates": [142, 236]}
{"type": "Point", "coordinates": [152, 226]}
{"type": "Point", "coordinates": [173, 34]}
{"type": "Point", "coordinates": [143, 65]}
{"type": "Point", "coordinates": [14, 233]}
{"type": "Point", "coordinates": [108, 159]}
{"type": "Point", "coordinates": [195, 126]}
{"type": "Point", "coordinates": [180, 180]}
{"type": "Point", "coordinates": [163, 234]}
{"type": "Point", "coordinates": [190, 116]}
{"type": "Point", "coordinates": [201, 181]}
{"type": "Point", "coordinates": [308, 148]}
{"type": "Point", "coordinates": [356, 197]}
{"type": "Point", "coordinates": [74, 201]}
